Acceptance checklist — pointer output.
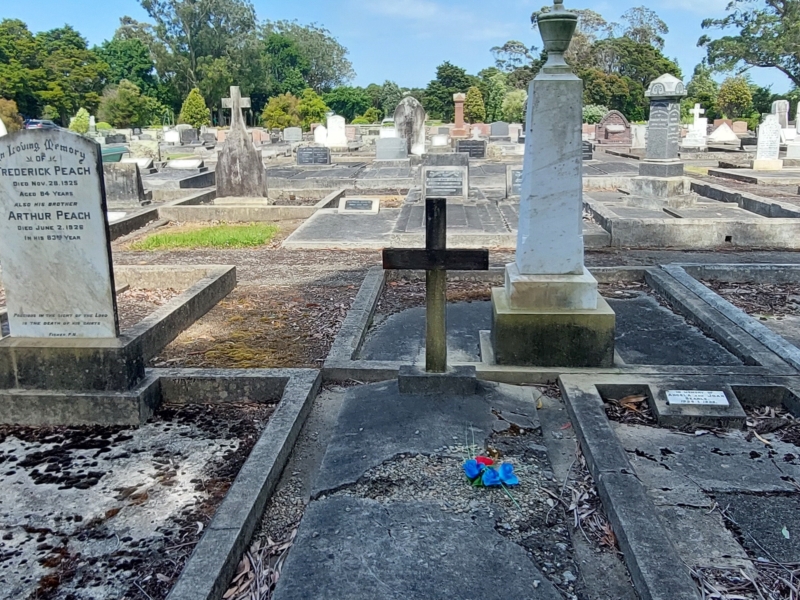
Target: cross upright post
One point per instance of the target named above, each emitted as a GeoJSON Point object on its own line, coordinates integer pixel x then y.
{"type": "Point", "coordinates": [236, 103]}
{"type": "Point", "coordinates": [436, 260]}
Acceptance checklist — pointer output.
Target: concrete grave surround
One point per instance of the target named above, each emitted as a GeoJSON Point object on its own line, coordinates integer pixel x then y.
{"type": "Point", "coordinates": [409, 122]}
{"type": "Point", "coordinates": [613, 130]}
{"type": "Point", "coordinates": [185, 164]}
{"type": "Point", "coordinates": [548, 293]}
{"type": "Point", "coordinates": [172, 137]}
{"type": "Point", "coordinates": [321, 135]}
{"type": "Point", "coordinates": [769, 145]}
{"type": "Point", "coordinates": [240, 169]}
{"type": "Point", "coordinates": [337, 136]}
{"type": "Point", "coordinates": [391, 149]}
{"type": "Point", "coordinates": [56, 259]}
{"type": "Point", "coordinates": [293, 134]}
{"type": "Point", "coordinates": [723, 134]}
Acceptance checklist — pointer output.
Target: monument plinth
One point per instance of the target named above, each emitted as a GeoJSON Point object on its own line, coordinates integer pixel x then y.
{"type": "Point", "coordinates": [550, 313]}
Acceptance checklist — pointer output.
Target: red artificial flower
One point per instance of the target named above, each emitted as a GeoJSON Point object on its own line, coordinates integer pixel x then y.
{"type": "Point", "coordinates": [482, 460]}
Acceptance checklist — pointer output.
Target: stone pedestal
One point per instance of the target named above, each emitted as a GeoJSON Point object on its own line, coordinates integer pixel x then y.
{"type": "Point", "coordinates": [460, 130]}
{"type": "Point", "coordinates": [552, 337]}
{"type": "Point", "coordinates": [767, 164]}
{"type": "Point", "coordinates": [549, 312]}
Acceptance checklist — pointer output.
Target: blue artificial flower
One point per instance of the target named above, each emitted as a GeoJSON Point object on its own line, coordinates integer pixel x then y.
{"type": "Point", "coordinates": [472, 469]}
{"type": "Point", "coordinates": [507, 474]}
{"type": "Point", "coordinates": [490, 478]}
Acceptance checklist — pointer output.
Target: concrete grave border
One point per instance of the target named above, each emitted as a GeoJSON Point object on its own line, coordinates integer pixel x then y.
{"type": "Point", "coordinates": [342, 363]}
{"type": "Point", "coordinates": [213, 563]}
{"type": "Point", "coordinates": [657, 571]}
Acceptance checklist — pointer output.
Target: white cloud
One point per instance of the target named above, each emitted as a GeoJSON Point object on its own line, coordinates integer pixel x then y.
{"type": "Point", "coordinates": [433, 19]}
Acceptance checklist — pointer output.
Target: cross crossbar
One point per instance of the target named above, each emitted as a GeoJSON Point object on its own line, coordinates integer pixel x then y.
{"type": "Point", "coordinates": [436, 260]}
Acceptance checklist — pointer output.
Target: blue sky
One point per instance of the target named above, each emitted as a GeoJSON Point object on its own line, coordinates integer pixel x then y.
{"type": "Point", "coordinates": [404, 40]}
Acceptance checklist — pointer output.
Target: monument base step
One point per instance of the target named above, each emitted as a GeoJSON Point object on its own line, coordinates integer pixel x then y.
{"type": "Point", "coordinates": [552, 338]}
{"type": "Point", "coordinates": [458, 381]}
{"type": "Point", "coordinates": [36, 408]}
{"type": "Point", "coordinates": [767, 164]}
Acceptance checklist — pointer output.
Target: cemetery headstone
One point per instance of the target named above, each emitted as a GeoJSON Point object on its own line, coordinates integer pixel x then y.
{"type": "Point", "coordinates": [475, 148]}
{"type": "Point", "coordinates": [351, 132]}
{"type": "Point", "coordinates": [172, 137]}
{"type": "Point", "coordinates": [313, 155]}
{"type": "Point", "coordinates": [588, 150]}
{"type": "Point", "coordinates": [781, 108]}
{"type": "Point", "coordinates": [614, 130]}
{"type": "Point", "coordinates": [275, 136]}
{"type": "Point", "coordinates": [188, 136]}
{"type": "Point", "coordinates": [513, 181]}
{"type": "Point", "coordinates": [145, 163]}
{"type": "Point", "coordinates": [769, 145]}
{"type": "Point", "coordinates": [440, 140]}
{"type": "Point", "coordinates": [123, 183]}
{"type": "Point", "coordinates": [550, 308]}
{"type": "Point", "coordinates": [664, 128]}
{"type": "Point", "coordinates": [696, 137]}
{"type": "Point", "coordinates": [515, 131]}
{"type": "Point", "coordinates": [391, 149]}
{"type": "Point", "coordinates": [240, 168]}
{"type": "Point", "coordinates": [443, 131]}
{"type": "Point", "coordinates": [51, 192]}
{"type": "Point", "coordinates": [321, 135]}
{"type": "Point", "coordinates": [739, 127]}
{"type": "Point", "coordinates": [209, 138]}
{"type": "Point", "coordinates": [436, 260]}
{"type": "Point", "coordinates": [638, 137]}
{"type": "Point", "coordinates": [445, 182]}
{"type": "Point", "coordinates": [92, 124]}
{"type": "Point", "coordinates": [500, 131]}
{"type": "Point", "coordinates": [116, 138]}
{"type": "Point", "coordinates": [409, 122]}
{"type": "Point", "coordinates": [337, 138]}
{"type": "Point", "coordinates": [293, 134]}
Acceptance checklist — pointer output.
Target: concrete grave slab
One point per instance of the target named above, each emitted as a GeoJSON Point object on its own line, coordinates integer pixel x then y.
{"type": "Point", "coordinates": [377, 423]}
{"type": "Point", "coordinates": [781, 177]}
{"type": "Point", "coordinates": [361, 549]}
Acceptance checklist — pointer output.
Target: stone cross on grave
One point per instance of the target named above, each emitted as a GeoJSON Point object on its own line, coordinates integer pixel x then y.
{"type": "Point", "coordinates": [436, 260]}
{"type": "Point", "coordinates": [236, 103]}
{"type": "Point", "coordinates": [697, 112]}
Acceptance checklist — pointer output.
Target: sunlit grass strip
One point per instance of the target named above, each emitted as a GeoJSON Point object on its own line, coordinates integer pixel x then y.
{"type": "Point", "coordinates": [218, 236]}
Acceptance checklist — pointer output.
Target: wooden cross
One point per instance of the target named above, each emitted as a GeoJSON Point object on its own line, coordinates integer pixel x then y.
{"type": "Point", "coordinates": [436, 260]}
{"type": "Point", "coordinates": [236, 103]}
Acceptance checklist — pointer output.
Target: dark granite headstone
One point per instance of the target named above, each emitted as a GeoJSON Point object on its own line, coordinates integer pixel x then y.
{"type": "Point", "coordinates": [359, 204]}
{"type": "Point", "coordinates": [116, 138]}
{"type": "Point", "coordinates": [514, 182]}
{"type": "Point", "coordinates": [587, 151]}
{"type": "Point", "coordinates": [475, 148]}
{"type": "Point", "coordinates": [137, 131]}
{"type": "Point", "coordinates": [313, 155]}
{"type": "Point", "coordinates": [209, 138]}
{"type": "Point", "coordinates": [188, 136]}
{"type": "Point", "coordinates": [664, 130]}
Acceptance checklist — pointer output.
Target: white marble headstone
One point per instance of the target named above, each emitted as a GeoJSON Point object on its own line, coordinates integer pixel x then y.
{"type": "Point", "coordinates": [321, 135]}
{"type": "Point", "coordinates": [337, 132]}
{"type": "Point", "coordinates": [172, 136]}
{"type": "Point", "coordinates": [769, 139]}
{"type": "Point", "coordinates": [54, 244]}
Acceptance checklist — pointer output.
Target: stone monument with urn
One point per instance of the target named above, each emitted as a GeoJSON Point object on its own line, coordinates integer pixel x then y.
{"type": "Point", "coordinates": [550, 313]}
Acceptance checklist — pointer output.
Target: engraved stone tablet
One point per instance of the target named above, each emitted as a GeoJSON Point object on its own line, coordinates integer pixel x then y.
{"type": "Point", "coordinates": [360, 205]}
{"type": "Point", "coordinates": [444, 182]}
{"type": "Point", "coordinates": [475, 148]}
{"type": "Point", "coordinates": [513, 181]}
{"type": "Point", "coordinates": [54, 244]}
{"type": "Point", "coordinates": [313, 155]}
{"type": "Point", "coordinates": [696, 398]}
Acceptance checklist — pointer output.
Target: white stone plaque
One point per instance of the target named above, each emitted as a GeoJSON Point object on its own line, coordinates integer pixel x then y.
{"type": "Point", "coordinates": [54, 244]}
{"type": "Point", "coordinates": [696, 398]}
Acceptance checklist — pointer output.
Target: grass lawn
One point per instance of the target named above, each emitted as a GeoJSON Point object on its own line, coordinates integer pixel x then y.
{"type": "Point", "coordinates": [218, 236]}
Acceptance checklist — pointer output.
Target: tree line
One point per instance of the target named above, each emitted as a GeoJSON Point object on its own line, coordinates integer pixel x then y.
{"type": "Point", "coordinates": [185, 59]}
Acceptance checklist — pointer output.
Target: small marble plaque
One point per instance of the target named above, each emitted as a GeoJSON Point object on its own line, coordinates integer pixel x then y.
{"type": "Point", "coordinates": [696, 398]}
{"type": "Point", "coordinates": [54, 243]}
{"type": "Point", "coordinates": [444, 182]}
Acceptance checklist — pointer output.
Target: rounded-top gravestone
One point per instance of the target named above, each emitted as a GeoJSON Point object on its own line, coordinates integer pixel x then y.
{"type": "Point", "coordinates": [664, 127]}
{"type": "Point", "coordinates": [409, 121]}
